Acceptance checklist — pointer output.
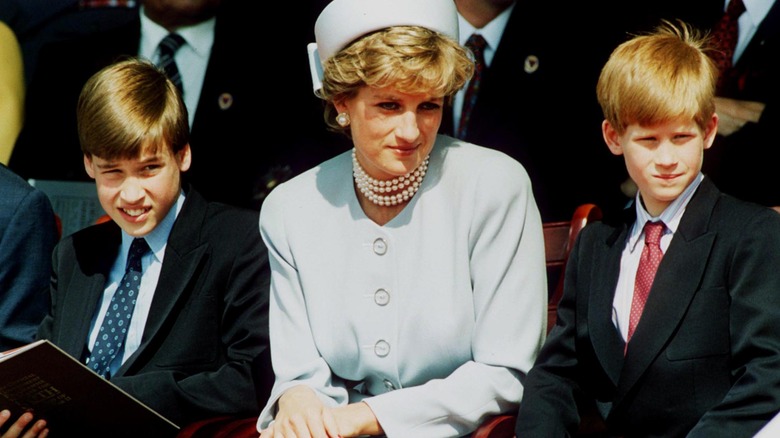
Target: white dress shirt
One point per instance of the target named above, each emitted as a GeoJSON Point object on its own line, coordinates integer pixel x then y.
{"type": "Point", "coordinates": [191, 59]}
{"type": "Point", "coordinates": [755, 12]}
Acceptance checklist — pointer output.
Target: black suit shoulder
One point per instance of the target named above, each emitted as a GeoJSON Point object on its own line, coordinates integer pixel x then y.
{"type": "Point", "coordinates": [215, 222]}
{"type": "Point", "coordinates": [225, 225]}
{"type": "Point", "coordinates": [12, 187]}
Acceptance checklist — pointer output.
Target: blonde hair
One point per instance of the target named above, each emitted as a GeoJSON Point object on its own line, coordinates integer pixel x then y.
{"type": "Point", "coordinates": [412, 59]}
{"type": "Point", "coordinates": [658, 77]}
{"type": "Point", "coordinates": [129, 107]}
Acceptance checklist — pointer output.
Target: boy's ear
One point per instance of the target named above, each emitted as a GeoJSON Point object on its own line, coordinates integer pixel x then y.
{"type": "Point", "coordinates": [184, 158]}
{"type": "Point", "coordinates": [711, 131]}
{"type": "Point", "coordinates": [88, 166]}
{"type": "Point", "coordinates": [611, 137]}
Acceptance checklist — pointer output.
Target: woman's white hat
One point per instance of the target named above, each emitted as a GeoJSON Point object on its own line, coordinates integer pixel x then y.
{"type": "Point", "coordinates": [344, 21]}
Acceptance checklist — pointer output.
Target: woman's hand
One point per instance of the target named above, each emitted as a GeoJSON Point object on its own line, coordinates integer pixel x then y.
{"type": "Point", "coordinates": [301, 414]}
{"type": "Point", "coordinates": [15, 431]}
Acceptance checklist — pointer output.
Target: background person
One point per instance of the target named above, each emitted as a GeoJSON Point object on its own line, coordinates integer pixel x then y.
{"type": "Point", "coordinates": [216, 63]}
{"type": "Point", "coordinates": [28, 233]}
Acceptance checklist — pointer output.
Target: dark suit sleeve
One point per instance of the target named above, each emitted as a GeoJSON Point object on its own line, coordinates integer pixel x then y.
{"type": "Point", "coordinates": [239, 386]}
{"type": "Point", "coordinates": [548, 407]}
{"type": "Point", "coordinates": [28, 237]}
{"type": "Point", "coordinates": [754, 285]}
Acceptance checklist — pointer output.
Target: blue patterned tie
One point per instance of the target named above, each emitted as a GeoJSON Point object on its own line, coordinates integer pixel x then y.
{"type": "Point", "coordinates": [168, 47]}
{"type": "Point", "coordinates": [477, 45]}
{"type": "Point", "coordinates": [111, 338]}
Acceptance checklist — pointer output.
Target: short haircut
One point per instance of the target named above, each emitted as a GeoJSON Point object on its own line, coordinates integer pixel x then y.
{"type": "Point", "coordinates": [412, 59]}
{"type": "Point", "coordinates": [128, 107]}
{"type": "Point", "coordinates": [659, 77]}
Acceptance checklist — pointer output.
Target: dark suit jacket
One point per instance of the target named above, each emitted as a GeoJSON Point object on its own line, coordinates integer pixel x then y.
{"type": "Point", "coordinates": [205, 345]}
{"type": "Point", "coordinates": [224, 137]}
{"type": "Point", "coordinates": [548, 118]}
{"type": "Point", "coordinates": [704, 358]}
{"type": "Point", "coordinates": [27, 237]}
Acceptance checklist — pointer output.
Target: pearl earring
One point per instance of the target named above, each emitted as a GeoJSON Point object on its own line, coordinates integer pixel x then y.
{"type": "Point", "coordinates": [343, 120]}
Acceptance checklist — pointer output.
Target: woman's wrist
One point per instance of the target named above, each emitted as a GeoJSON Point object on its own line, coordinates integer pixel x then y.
{"type": "Point", "coordinates": [357, 419]}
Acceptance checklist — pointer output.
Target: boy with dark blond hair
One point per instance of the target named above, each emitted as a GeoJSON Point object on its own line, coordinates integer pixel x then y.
{"type": "Point", "coordinates": [196, 344]}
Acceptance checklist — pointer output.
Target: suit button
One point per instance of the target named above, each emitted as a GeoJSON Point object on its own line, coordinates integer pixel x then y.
{"type": "Point", "coordinates": [381, 297]}
{"type": "Point", "coordinates": [380, 246]}
{"type": "Point", "coordinates": [381, 348]}
{"type": "Point", "coordinates": [389, 385]}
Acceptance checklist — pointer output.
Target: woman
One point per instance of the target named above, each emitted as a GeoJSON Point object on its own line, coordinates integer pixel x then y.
{"type": "Point", "coordinates": [400, 267]}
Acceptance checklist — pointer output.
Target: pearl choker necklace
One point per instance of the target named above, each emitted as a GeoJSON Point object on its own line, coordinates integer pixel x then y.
{"type": "Point", "coordinates": [387, 193]}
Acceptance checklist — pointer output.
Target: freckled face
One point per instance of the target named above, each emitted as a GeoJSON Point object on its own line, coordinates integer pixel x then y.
{"type": "Point", "coordinates": [392, 131]}
{"type": "Point", "coordinates": [662, 159]}
{"type": "Point", "coordinates": [138, 193]}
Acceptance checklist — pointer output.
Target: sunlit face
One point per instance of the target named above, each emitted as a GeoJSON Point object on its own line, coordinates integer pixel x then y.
{"type": "Point", "coordinates": [138, 193]}
{"type": "Point", "coordinates": [662, 159]}
{"type": "Point", "coordinates": [393, 132]}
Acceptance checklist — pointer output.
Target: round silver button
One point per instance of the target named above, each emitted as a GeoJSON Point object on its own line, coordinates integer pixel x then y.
{"type": "Point", "coordinates": [381, 297]}
{"type": "Point", "coordinates": [389, 385]}
{"type": "Point", "coordinates": [380, 246]}
{"type": "Point", "coordinates": [381, 348]}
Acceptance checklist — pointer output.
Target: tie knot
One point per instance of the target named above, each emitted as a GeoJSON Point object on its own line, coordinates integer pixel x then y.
{"type": "Point", "coordinates": [171, 43]}
{"type": "Point", "coordinates": [138, 248]}
{"type": "Point", "coordinates": [735, 8]}
{"type": "Point", "coordinates": [476, 43]}
{"type": "Point", "coordinates": [653, 232]}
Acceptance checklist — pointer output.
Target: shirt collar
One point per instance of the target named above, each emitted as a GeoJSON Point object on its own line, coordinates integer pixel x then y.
{"type": "Point", "coordinates": [757, 10]}
{"type": "Point", "coordinates": [670, 216]}
{"type": "Point", "coordinates": [491, 32]}
{"type": "Point", "coordinates": [199, 37]}
{"type": "Point", "coordinates": [158, 237]}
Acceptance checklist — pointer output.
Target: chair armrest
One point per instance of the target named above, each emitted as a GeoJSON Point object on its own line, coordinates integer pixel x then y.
{"type": "Point", "coordinates": [221, 427]}
{"type": "Point", "coordinates": [497, 426]}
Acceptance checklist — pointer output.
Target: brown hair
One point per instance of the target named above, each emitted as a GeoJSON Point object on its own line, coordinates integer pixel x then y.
{"type": "Point", "coordinates": [129, 106]}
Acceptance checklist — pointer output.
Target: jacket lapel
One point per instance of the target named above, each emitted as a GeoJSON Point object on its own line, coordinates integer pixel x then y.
{"type": "Point", "coordinates": [95, 262]}
{"type": "Point", "coordinates": [674, 287]}
{"type": "Point", "coordinates": [606, 339]}
{"type": "Point", "coordinates": [183, 257]}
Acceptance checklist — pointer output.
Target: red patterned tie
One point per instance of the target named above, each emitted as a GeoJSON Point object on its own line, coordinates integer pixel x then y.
{"type": "Point", "coordinates": [724, 36]}
{"type": "Point", "coordinates": [477, 45]}
{"type": "Point", "coordinates": [648, 264]}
